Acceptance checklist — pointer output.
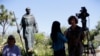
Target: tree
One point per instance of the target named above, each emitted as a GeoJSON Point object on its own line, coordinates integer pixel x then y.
{"type": "Point", "coordinates": [6, 19]}
{"type": "Point", "coordinates": [95, 32]}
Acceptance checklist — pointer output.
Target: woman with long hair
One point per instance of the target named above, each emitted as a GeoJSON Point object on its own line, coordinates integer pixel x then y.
{"type": "Point", "coordinates": [58, 39]}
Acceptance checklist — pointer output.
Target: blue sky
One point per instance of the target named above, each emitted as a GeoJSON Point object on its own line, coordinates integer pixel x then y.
{"type": "Point", "coordinates": [47, 11]}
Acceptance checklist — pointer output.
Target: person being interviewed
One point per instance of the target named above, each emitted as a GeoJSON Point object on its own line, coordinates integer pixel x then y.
{"type": "Point", "coordinates": [11, 49]}
{"type": "Point", "coordinates": [58, 39]}
{"type": "Point", "coordinates": [75, 35]}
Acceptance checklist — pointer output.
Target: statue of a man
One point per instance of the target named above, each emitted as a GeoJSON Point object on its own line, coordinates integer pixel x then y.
{"type": "Point", "coordinates": [29, 26]}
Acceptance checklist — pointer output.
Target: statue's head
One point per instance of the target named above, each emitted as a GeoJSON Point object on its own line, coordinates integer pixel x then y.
{"type": "Point", "coordinates": [28, 10]}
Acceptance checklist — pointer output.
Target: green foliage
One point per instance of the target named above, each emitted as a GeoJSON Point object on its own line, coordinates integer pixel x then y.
{"type": "Point", "coordinates": [5, 15]}
{"type": "Point", "coordinates": [42, 46]}
{"type": "Point", "coordinates": [6, 18]}
{"type": "Point", "coordinates": [42, 50]}
{"type": "Point", "coordinates": [39, 38]}
{"type": "Point", "coordinates": [96, 43]}
{"type": "Point", "coordinates": [94, 33]}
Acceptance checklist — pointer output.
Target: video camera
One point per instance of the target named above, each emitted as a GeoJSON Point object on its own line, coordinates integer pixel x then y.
{"type": "Point", "coordinates": [82, 15]}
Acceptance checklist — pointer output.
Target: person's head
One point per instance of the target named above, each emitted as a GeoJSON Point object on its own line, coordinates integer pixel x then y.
{"type": "Point", "coordinates": [27, 10]}
{"type": "Point", "coordinates": [54, 30]}
{"type": "Point", "coordinates": [72, 20]}
{"type": "Point", "coordinates": [11, 40]}
{"type": "Point", "coordinates": [56, 26]}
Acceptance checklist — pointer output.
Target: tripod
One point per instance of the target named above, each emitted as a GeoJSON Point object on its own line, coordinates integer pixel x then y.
{"type": "Point", "coordinates": [88, 47]}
